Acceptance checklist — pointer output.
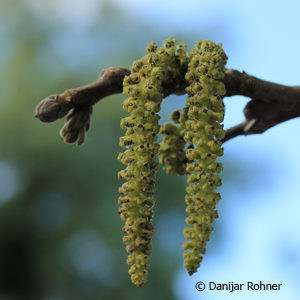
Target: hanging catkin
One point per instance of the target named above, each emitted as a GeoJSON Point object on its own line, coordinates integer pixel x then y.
{"type": "Point", "coordinates": [144, 86]}
{"type": "Point", "coordinates": [205, 112]}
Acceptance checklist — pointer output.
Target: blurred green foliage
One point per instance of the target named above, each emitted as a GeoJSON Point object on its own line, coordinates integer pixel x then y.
{"type": "Point", "coordinates": [60, 233]}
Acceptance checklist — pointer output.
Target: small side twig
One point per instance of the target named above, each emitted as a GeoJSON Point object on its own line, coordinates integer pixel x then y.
{"type": "Point", "coordinates": [234, 131]}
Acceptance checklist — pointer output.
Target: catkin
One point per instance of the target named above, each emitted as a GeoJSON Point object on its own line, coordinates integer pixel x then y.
{"type": "Point", "coordinates": [171, 150]}
{"type": "Point", "coordinates": [161, 67]}
{"type": "Point", "coordinates": [204, 113]}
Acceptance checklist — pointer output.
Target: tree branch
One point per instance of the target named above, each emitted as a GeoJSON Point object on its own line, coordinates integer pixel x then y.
{"type": "Point", "coordinates": [270, 103]}
{"type": "Point", "coordinates": [54, 107]}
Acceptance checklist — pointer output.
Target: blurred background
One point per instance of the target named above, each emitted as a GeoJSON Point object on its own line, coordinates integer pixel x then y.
{"type": "Point", "coordinates": [60, 233]}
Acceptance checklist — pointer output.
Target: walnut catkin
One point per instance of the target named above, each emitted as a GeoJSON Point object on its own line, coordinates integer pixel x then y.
{"type": "Point", "coordinates": [205, 112]}
{"type": "Point", "coordinates": [171, 150]}
{"type": "Point", "coordinates": [144, 86]}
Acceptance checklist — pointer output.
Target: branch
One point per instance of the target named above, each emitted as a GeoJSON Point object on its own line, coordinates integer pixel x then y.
{"type": "Point", "coordinates": [81, 100]}
{"type": "Point", "coordinates": [54, 107]}
{"type": "Point", "coordinates": [270, 105]}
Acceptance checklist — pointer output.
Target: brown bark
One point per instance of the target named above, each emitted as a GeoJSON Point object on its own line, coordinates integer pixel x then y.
{"type": "Point", "coordinates": [270, 103]}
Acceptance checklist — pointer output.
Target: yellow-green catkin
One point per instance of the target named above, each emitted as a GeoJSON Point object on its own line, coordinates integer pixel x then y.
{"type": "Point", "coordinates": [205, 112]}
{"type": "Point", "coordinates": [144, 86]}
{"type": "Point", "coordinates": [171, 150]}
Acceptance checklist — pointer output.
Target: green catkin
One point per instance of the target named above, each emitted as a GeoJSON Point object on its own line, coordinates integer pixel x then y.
{"type": "Point", "coordinates": [204, 112]}
{"type": "Point", "coordinates": [144, 86]}
{"type": "Point", "coordinates": [171, 150]}
{"type": "Point", "coordinates": [172, 153]}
